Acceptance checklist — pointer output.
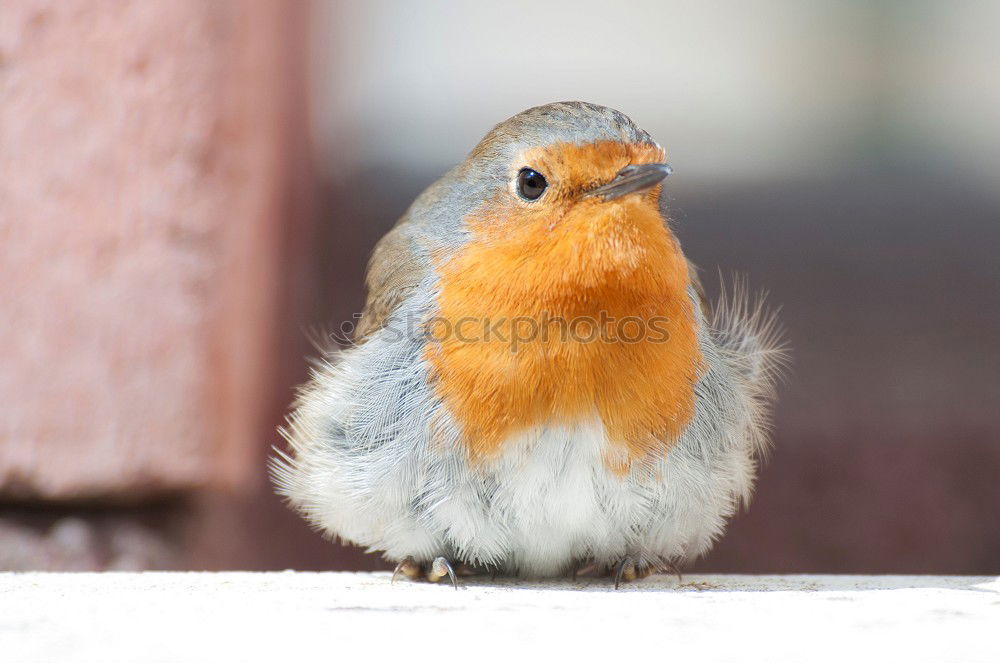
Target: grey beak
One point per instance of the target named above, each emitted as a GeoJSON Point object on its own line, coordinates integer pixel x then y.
{"type": "Point", "coordinates": [632, 178]}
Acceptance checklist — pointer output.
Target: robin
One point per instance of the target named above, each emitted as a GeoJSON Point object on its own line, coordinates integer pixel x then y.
{"type": "Point", "coordinates": [537, 384]}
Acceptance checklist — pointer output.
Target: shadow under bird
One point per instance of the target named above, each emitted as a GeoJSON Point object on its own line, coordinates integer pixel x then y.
{"type": "Point", "coordinates": [537, 384]}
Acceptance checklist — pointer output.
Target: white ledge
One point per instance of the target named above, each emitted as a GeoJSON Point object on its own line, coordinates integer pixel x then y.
{"type": "Point", "coordinates": [288, 617]}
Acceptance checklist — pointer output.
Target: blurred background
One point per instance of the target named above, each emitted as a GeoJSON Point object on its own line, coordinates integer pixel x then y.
{"type": "Point", "coordinates": [186, 187]}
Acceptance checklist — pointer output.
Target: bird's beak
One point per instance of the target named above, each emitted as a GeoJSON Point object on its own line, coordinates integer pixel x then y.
{"type": "Point", "coordinates": [632, 178]}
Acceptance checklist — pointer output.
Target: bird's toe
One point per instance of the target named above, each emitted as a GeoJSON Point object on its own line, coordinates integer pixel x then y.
{"type": "Point", "coordinates": [440, 569]}
{"type": "Point", "coordinates": [409, 568]}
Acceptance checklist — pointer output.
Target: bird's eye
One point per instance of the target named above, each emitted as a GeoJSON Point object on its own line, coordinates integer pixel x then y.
{"type": "Point", "coordinates": [530, 184]}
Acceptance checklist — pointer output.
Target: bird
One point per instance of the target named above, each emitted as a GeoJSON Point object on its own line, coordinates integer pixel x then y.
{"type": "Point", "coordinates": [537, 384]}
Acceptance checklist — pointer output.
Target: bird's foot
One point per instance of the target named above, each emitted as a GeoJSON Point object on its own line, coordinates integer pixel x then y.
{"type": "Point", "coordinates": [409, 568]}
{"type": "Point", "coordinates": [437, 570]}
{"type": "Point", "coordinates": [629, 569]}
{"type": "Point", "coordinates": [441, 568]}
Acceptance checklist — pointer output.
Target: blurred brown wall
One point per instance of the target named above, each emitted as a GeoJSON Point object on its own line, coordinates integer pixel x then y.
{"type": "Point", "coordinates": [155, 196]}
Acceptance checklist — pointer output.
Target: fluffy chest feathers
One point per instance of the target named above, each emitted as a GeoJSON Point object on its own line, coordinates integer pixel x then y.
{"type": "Point", "coordinates": [544, 319]}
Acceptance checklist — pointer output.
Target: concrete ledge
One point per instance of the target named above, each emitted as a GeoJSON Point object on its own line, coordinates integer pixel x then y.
{"type": "Point", "coordinates": [294, 616]}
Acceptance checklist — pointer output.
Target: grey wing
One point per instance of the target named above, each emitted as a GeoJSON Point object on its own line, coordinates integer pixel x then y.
{"type": "Point", "coordinates": [699, 290]}
{"type": "Point", "coordinates": [394, 271]}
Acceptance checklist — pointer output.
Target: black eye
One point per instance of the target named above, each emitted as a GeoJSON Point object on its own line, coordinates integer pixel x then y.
{"type": "Point", "coordinates": [530, 184]}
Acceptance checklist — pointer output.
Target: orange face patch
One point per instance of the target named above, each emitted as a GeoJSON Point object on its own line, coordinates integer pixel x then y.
{"type": "Point", "coordinates": [568, 306]}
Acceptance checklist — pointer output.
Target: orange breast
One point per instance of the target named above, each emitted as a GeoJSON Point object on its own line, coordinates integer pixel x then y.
{"type": "Point", "coordinates": [544, 320]}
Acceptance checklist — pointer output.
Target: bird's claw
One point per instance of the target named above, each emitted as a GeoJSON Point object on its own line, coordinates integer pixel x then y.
{"type": "Point", "coordinates": [441, 568]}
{"type": "Point", "coordinates": [631, 568]}
{"type": "Point", "coordinates": [625, 571]}
{"type": "Point", "coordinates": [437, 570]}
{"type": "Point", "coordinates": [408, 567]}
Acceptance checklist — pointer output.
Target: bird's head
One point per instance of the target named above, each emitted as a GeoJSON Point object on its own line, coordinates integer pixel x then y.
{"type": "Point", "coordinates": [570, 182]}
{"type": "Point", "coordinates": [557, 198]}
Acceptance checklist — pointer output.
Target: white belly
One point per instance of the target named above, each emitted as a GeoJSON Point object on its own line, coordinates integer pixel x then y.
{"type": "Point", "coordinates": [555, 503]}
{"type": "Point", "coordinates": [560, 497]}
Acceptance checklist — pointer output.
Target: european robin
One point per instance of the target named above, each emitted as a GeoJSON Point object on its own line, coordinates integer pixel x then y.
{"type": "Point", "coordinates": [537, 384]}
